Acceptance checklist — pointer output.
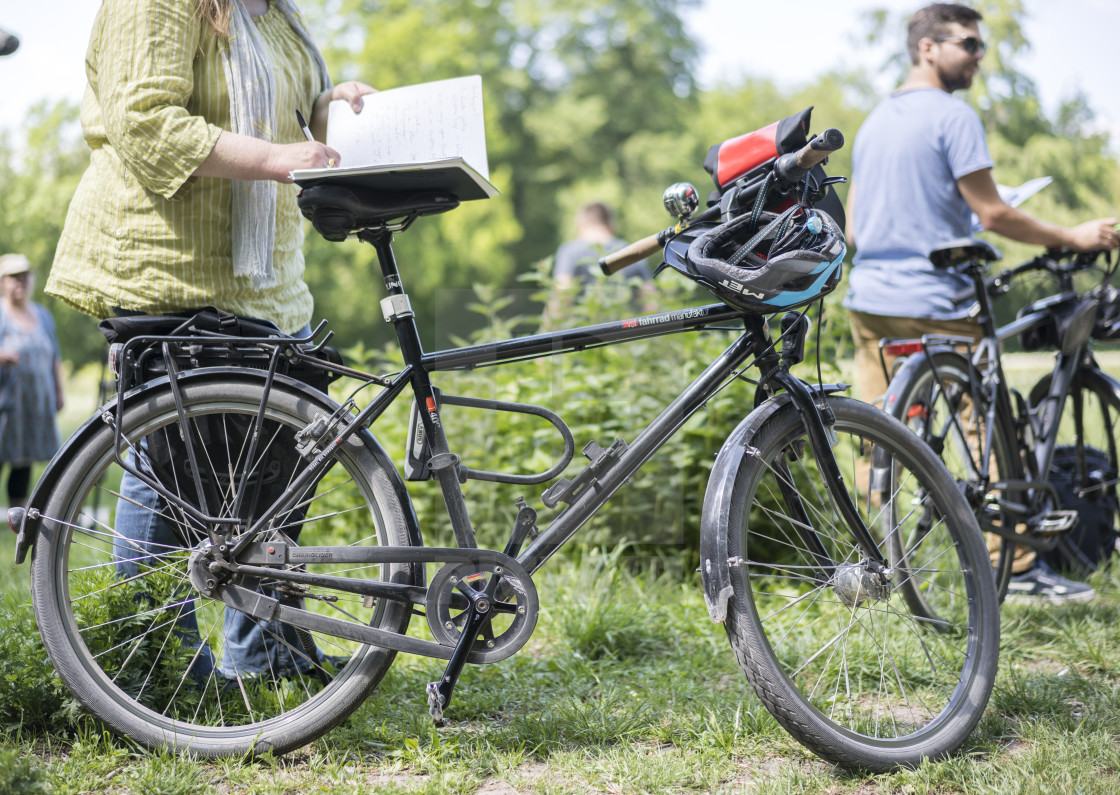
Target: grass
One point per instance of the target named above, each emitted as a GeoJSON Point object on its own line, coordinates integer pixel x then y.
{"type": "Point", "coordinates": [626, 687]}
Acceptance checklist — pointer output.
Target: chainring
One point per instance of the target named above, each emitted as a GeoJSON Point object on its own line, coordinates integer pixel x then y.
{"type": "Point", "coordinates": [513, 610]}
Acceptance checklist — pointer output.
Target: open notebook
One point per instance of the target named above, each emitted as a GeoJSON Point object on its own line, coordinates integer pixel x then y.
{"type": "Point", "coordinates": [429, 136]}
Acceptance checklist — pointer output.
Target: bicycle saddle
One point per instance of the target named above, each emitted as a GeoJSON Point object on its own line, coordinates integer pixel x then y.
{"type": "Point", "coordinates": [963, 249]}
{"type": "Point", "coordinates": [337, 210]}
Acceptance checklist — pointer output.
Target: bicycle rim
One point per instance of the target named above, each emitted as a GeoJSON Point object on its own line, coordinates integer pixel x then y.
{"type": "Point", "coordinates": [133, 639]}
{"type": "Point", "coordinates": [850, 670]}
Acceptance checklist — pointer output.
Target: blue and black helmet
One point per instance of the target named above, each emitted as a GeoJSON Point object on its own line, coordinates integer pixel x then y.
{"type": "Point", "coordinates": [778, 262]}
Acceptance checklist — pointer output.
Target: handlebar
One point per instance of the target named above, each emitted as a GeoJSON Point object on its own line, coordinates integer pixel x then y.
{"type": "Point", "coordinates": [638, 250]}
{"type": "Point", "coordinates": [790, 169]}
{"type": "Point", "coordinates": [1060, 263]}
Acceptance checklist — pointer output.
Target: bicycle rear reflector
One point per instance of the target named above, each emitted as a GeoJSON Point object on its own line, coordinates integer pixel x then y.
{"type": "Point", "coordinates": [902, 348]}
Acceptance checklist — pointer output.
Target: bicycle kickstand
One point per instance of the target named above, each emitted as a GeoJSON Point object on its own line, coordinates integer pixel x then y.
{"type": "Point", "coordinates": [439, 693]}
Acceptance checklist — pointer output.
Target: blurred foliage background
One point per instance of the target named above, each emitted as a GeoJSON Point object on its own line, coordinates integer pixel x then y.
{"type": "Point", "coordinates": [585, 100]}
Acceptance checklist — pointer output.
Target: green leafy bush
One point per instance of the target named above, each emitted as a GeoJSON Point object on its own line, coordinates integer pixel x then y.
{"type": "Point", "coordinates": [31, 695]}
{"type": "Point", "coordinates": [19, 774]}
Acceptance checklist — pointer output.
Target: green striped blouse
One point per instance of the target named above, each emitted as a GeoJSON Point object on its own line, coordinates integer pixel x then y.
{"type": "Point", "coordinates": [141, 233]}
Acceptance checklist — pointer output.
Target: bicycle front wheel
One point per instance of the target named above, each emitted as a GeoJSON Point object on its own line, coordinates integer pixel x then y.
{"type": "Point", "coordinates": [130, 634]}
{"type": "Point", "coordinates": [833, 650]}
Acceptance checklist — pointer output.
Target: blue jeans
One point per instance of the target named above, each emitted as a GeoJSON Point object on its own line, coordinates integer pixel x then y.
{"type": "Point", "coordinates": [249, 646]}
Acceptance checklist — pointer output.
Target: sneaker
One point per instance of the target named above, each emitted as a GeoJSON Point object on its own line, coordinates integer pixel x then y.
{"type": "Point", "coordinates": [1043, 583]}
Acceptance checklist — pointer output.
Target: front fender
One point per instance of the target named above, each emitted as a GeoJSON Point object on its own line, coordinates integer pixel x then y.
{"type": "Point", "coordinates": [29, 524]}
{"type": "Point", "coordinates": [715, 570]}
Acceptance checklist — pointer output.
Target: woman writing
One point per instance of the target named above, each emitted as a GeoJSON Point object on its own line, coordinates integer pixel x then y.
{"type": "Point", "coordinates": [190, 111]}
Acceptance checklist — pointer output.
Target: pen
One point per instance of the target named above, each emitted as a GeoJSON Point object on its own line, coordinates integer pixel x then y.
{"type": "Point", "coordinates": [303, 126]}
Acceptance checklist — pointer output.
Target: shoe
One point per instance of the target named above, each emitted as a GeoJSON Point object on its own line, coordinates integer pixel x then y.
{"type": "Point", "coordinates": [1043, 583]}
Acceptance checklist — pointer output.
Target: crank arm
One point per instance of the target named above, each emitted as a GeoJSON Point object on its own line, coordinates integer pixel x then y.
{"type": "Point", "coordinates": [478, 619]}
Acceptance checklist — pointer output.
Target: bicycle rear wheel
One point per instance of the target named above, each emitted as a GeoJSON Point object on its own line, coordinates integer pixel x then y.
{"type": "Point", "coordinates": [938, 405]}
{"type": "Point", "coordinates": [134, 640]}
{"type": "Point", "coordinates": [842, 662]}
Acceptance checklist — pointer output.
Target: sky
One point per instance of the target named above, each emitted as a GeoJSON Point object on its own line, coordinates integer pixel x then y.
{"type": "Point", "coordinates": [1073, 47]}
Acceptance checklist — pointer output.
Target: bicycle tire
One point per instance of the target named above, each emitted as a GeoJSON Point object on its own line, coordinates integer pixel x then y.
{"type": "Point", "coordinates": [866, 685]}
{"type": "Point", "coordinates": [1090, 467]}
{"type": "Point", "coordinates": [926, 405]}
{"type": "Point", "coordinates": [123, 644]}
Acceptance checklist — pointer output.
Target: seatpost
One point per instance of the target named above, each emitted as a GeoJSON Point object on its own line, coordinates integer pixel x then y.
{"type": "Point", "coordinates": [984, 316]}
{"type": "Point", "coordinates": [398, 310]}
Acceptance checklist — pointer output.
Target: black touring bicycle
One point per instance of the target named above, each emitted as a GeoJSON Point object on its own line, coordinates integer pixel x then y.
{"type": "Point", "coordinates": [836, 550]}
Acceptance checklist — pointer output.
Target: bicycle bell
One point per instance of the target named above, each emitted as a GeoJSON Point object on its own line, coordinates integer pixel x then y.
{"type": "Point", "coordinates": [681, 200]}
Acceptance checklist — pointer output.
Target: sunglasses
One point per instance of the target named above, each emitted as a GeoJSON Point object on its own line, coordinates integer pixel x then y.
{"type": "Point", "coordinates": [970, 44]}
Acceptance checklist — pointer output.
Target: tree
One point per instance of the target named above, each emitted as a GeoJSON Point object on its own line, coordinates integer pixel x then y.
{"type": "Point", "coordinates": [568, 87]}
{"type": "Point", "coordinates": [39, 177]}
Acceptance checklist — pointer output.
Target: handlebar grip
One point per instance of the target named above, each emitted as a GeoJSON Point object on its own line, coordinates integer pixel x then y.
{"type": "Point", "coordinates": [793, 167]}
{"type": "Point", "coordinates": [638, 250]}
{"type": "Point", "coordinates": [820, 147]}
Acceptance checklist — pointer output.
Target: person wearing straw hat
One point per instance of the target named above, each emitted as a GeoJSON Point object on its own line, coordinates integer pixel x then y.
{"type": "Point", "coordinates": [30, 377]}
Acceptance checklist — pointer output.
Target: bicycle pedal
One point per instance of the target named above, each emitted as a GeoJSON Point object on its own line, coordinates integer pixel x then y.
{"type": "Point", "coordinates": [1053, 523]}
{"type": "Point", "coordinates": [435, 703]}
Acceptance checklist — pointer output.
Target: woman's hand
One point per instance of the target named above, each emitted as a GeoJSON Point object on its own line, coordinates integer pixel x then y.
{"type": "Point", "coordinates": [352, 91]}
{"type": "Point", "coordinates": [244, 157]}
{"type": "Point", "coordinates": [8, 357]}
{"type": "Point", "coordinates": [284, 158]}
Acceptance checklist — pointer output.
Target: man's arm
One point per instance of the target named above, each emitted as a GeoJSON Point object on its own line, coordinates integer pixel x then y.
{"type": "Point", "coordinates": [996, 215]}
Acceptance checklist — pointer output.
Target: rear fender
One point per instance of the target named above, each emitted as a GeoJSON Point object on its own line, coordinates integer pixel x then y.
{"type": "Point", "coordinates": [909, 369]}
{"type": "Point", "coordinates": [29, 525]}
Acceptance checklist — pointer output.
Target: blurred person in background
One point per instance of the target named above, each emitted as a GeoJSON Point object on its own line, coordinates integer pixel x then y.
{"type": "Point", "coordinates": [30, 378]}
{"type": "Point", "coordinates": [576, 266]}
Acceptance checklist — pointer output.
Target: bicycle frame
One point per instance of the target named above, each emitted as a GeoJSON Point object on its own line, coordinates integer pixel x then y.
{"type": "Point", "coordinates": [608, 470]}
{"type": "Point", "coordinates": [611, 474]}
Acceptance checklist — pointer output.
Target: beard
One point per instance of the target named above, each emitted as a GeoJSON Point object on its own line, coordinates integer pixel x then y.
{"type": "Point", "coordinates": [955, 80]}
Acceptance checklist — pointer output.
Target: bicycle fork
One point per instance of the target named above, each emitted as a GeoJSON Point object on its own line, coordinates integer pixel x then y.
{"type": "Point", "coordinates": [820, 440]}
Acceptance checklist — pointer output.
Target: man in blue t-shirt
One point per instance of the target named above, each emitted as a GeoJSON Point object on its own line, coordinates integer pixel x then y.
{"type": "Point", "coordinates": [920, 168]}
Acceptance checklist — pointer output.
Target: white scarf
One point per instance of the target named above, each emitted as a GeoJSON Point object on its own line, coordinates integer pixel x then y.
{"type": "Point", "coordinates": [252, 110]}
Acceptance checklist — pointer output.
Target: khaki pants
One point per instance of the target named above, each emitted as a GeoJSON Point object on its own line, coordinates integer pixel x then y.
{"type": "Point", "coordinates": [871, 382]}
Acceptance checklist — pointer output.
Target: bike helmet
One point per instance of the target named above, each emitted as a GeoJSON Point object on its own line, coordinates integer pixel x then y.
{"type": "Point", "coordinates": [779, 262]}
